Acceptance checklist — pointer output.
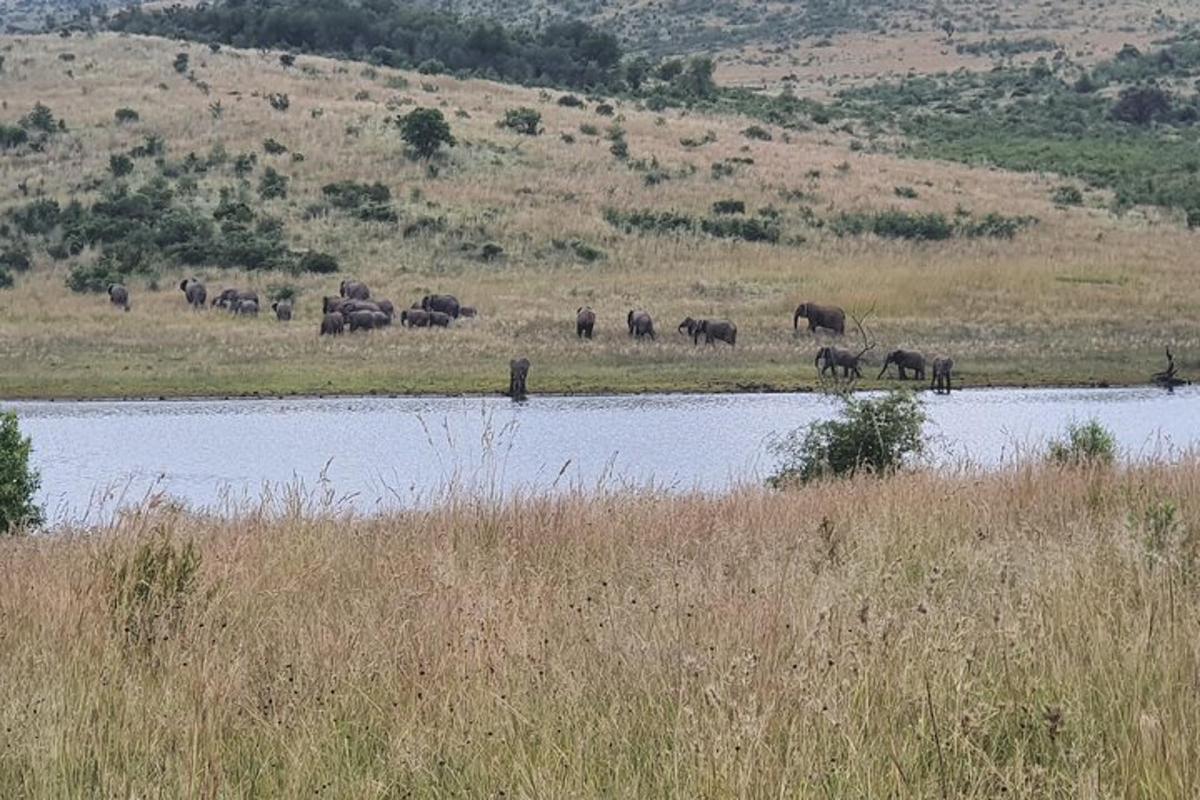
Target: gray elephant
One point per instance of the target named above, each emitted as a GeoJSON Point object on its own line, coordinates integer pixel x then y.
{"type": "Point", "coordinates": [330, 305]}
{"type": "Point", "coordinates": [195, 293]}
{"type": "Point", "coordinates": [714, 330]}
{"type": "Point", "coordinates": [388, 308]}
{"type": "Point", "coordinates": [942, 367]}
{"type": "Point", "coordinates": [518, 372]}
{"type": "Point", "coordinates": [414, 318]}
{"type": "Point", "coordinates": [688, 327]}
{"type": "Point", "coordinates": [444, 303]}
{"type": "Point", "coordinates": [282, 309]}
{"type": "Point", "coordinates": [830, 318]}
{"type": "Point", "coordinates": [231, 298]}
{"type": "Point", "coordinates": [585, 321]}
{"type": "Point", "coordinates": [834, 357]}
{"type": "Point", "coordinates": [333, 324]}
{"type": "Point", "coordinates": [350, 306]}
{"type": "Point", "coordinates": [905, 360]}
{"type": "Point", "coordinates": [361, 320]}
{"type": "Point", "coordinates": [118, 295]}
{"type": "Point", "coordinates": [640, 324]}
{"type": "Point", "coordinates": [439, 319]}
{"type": "Point", "coordinates": [470, 312]}
{"type": "Point", "coordinates": [354, 290]}
{"type": "Point", "coordinates": [246, 307]}
{"type": "Point", "coordinates": [382, 320]}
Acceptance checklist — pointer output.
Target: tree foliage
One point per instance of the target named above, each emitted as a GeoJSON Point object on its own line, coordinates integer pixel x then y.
{"type": "Point", "coordinates": [19, 482]}
{"type": "Point", "coordinates": [425, 130]}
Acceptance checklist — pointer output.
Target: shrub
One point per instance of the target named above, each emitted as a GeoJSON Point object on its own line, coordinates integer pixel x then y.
{"type": "Point", "coordinates": [6, 279]}
{"type": "Point", "coordinates": [523, 120]}
{"type": "Point", "coordinates": [605, 109]}
{"type": "Point", "coordinates": [12, 136]}
{"type": "Point", "coordinates": [1067, 195]}
{"type": "Point", "coordinates": [287, 59]}
{"type": "Point", "coordinates": [19, 482]}
{"type": "Point", "coordinates": [588, 129]}
{"type": "Point", "coordinates": [431, 66]}
{"type": "Point", "coordinates": [749, 230]}
{"type": "Point", "coordinates": [729, 207]}
{"type": "Point", "coordinates": [152, 146]}
{"type": "Point", "coordinates": [1141, 105]}
{"type": "Point", "coordinates": [120, 165]}
{"type": "Point", "coordinates": [996, 226]}
{"type": "Point", "coordinates": [94, 278]}
{"type": "Point", "coordinates": [272, 184]}
{"type": "Point", "coordinates": [40, 118]}
{"type": "Point", "coordinates": [871, 435]}
{"type": "Point", "coordinates": [1090, 444]}
{"type": "Point", "coordinates": [757, 132]}
{"type": "Point", "coordinates": [181, 63]}
{"type": "Point", "coordinates": [149, 590]}
{"type": "Point", "coordinates": [124, 115]}
{"type": "Point", "coordinates": [244, 163]}
{"type": "Point", "coordinates": [36, 218]}
{"type": "Point", "coordinates": [570, 101]}
{"type": "Point", "coordinates": [273, 147]}
{"type": "Point", "coordinates": [319, 263]}
{"type": "Point", "coordinates": [425, 130]}
{"type": "Point", "coordinates": [15, 258]}
{"type": "Point", "coordinates": [907, 192]}
{"type": "Point", "coordinates": [895, 225]}
{"type": "Point", "coordinates": [279, 101]}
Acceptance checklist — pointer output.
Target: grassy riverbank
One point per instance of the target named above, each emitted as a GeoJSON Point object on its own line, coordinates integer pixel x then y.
{"type": "Point", "coordinates": [1081, 297]}
{"type": "Point", "coordinates": [1027, 633]}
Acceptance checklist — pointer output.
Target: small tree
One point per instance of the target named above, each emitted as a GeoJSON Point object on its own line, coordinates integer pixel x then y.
{"type": "Point", "coordinates": [1090, 444]}
{"type": "Point", "coordinates": [18, 481]}
{"type": "Point", "coordinates": [272, 184]}
{"type": "Point", "coordinates": [181, 63]}
{"type": "Point", "coordinates": [523, 120]}
{"type": "Point", "coordinates": [425, 130]}
{"type": "Point", "coordinates": [875, 436]}
{"type": "Point", "coordinates": [120, 165]}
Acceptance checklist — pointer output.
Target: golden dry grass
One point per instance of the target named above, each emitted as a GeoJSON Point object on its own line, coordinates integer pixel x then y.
{"type": "Point", "coordinates": [1082, 297]}
{"type": "Point", "coordinates": [1031, 633]}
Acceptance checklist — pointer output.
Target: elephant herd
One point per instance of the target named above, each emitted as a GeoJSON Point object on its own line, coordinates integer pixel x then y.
{"type": "Point", "coordinates": [354, 309]}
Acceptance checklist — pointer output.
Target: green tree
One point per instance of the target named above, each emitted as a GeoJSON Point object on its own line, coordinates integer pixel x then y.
{"type": "Point", "coordinates": [120, 165]}
{"type": "Point", "coordinates": [524, 120]}
{"type": "Point", "coordinates": [425, 130]}
{"type": "Point", "coordinates": [18, 481]}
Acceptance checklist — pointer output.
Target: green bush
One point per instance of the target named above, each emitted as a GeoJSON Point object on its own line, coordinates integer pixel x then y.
{"type": "Point", "coordinates": [125, 115]}
{"type": "Point", "coordinates": [244, 163]}
{"type": "Point", "coordinates": [273, 148]}
{"type": "Point", "coordinates": [40, 118]}
{"type": "Point", "coordinates": [729, 207]}
{"type": "Point", "coordinates": [1090, 444]}
{"type": "Point", "coordinates": [319, 263]}
{"type": "Point", "coordinates": [895, 225]}
{"type": "Point", "coordinates": [6, 279]}
{"type": "Point", "coordinates": [748, 230]}
{"type": "Point", "coordinates": [272, 184]}
{"type": "Point", "coordinates": [757, 132]}
{"type": "Point", "coordinates": [36, 218]}
{"type": "Point", "coordinates": [149, 591]}
{"type": "Point", "coordinates": [570, 101]}
{"type": "Point", "coordinates": [1067, 195]}
{"type": "Point", "coordinates": [871, 435]}
{"type": "Point", "coordinates": [907, 192]}
{"type": "Point", "coordinates": [425, 130]}
{"type": "Point", "coordinates": [12, 136]}
{"type": "Point", "coordinates": [523, 120]}
{"type": "Point", "coordinates": [15, 257]}
{"type": "Point", "coordinates": [19, 482]}
{"type": "Point", "coordinates": [120, 165]}
{"type": "Point", "coordinates": [181, 63]}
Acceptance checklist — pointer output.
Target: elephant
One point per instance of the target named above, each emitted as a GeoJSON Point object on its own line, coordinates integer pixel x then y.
{"type": "Point", "coordinates": [829, 317]}
{"type": "Point", "coordinates": [715, 330]}
{"type": "Point", "coordinates": [195, 293]}
{"type": "Point", "coordinates": [282, 309]}
{"type": "Point", "coordinates": [414, 318]}
{"type": "Point", "coordinates": [518, 371]}
{"type": "Point", "coordinates": [688, 327]}
{"type": "Point", "coordinates": [585, 321]}
{"type": "Point", "coordinates": [118, 295]}
{"type": "Point", "coordinates": [469, 312]}
{"type": "Point", "coordinates": [942, 367]}
{"type": "Point", "coordinates": [246, 307]}
{"type": "Point", "coordinates": [382, 320]}
{"type": "Point", "coordinates": [640, 324]}
{"type": "Point", "coordinates": [333, 324]}
{"type": "Point", "coordinates": [350, 306]}
{"type": "Point", "coordinates": [361, 320]}
{"type": "Point", "coordinates": [354, 290]}
{"type": "Point", "coordinates": [330, 305]}
{"type": "Point", "coordinates": [835, 357]}
{"type": "Point", "coordinates": [388, 308]}
{"type": "Point", "coordinates": [905, 360]}
{"type": "Point", "coordinates": [439, 319]}
{"type": "Point", "coordinates": [445, 303]}
{"type": "Point", "coordinates": [230, 298]}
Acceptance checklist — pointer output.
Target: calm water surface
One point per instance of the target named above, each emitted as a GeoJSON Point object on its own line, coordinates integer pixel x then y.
{"type": "Point", "coordinates": [376, 453]}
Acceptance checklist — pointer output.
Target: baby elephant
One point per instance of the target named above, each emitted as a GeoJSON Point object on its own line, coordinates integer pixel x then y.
{"type": "Point", "coordinates": [194, 292]}
{"type": "Point", "coordinates": [518, 371]}
{"type": "Point", "coordinates": [905, 360]}
{"type": "Point", "coordinates": [363, 320]}
{"type": "Point", "coordinates": [333, 324]}
{"type": "Point", "coordinates": [585, 321]}
{"type": "Point", "coordinates": [118, 295]}
{"type": "Point", "coordinates": [942, 368]}
{"type": "Point", "coordinates": [714, 330]}
{"type": "Point", "coordinates": [439, 319]}
{"type": "Point", "coordinates": [470, 312]}
{"type": "Point", "coordinates": [640, 324]}
{"type": "Point", "coordinates": [246, 307]}
{"type": "Point", "coordinates": [282, 309]}
{"type": "Point", "coordinates": [414, 318]}
{"type": "Point", "coordinates": [835, 357]}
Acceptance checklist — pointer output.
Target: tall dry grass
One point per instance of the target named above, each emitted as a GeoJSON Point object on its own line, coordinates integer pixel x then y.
{"type": "Point", "coordinates": [1030, 633]}
{"type": "Point", "coordinates": [1083, 297]}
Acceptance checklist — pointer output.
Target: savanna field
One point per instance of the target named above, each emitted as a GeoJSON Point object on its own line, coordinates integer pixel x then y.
{"type": "Point", "coordinates": [1081, 295]}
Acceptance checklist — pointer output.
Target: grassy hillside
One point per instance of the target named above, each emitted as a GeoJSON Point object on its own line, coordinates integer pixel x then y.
{"type": "Point", "coordinates": [1080, 296]}
{"type": "Point", "coordinates": [1025, 634]}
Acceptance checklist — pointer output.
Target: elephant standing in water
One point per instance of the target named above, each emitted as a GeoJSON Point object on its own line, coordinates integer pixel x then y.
{"type": "Point", "coordinates": [905, 360]}
{"type": "Point", "coordinates": [831, 318]}
{"type": "Point", "coordinates": [640, 324]}
{"type": "Point", "coordinates": [835, 357]}
{"type": "Point", "coordinates": [585, 321]}
{"type": "Point", "coordinates": [518, 371]}
{"type": "Point", "coordinates": [118, 295]}
{"type": "Point", "coordinates": [942, 367]}
{"type": "Point", "coordinates": [195, 292]}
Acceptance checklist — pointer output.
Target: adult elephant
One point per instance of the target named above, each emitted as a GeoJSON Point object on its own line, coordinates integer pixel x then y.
{"type": "Point", "coordinates": [414, 318]}
{"type": "Point", "coordinates": [382, 320]}
{"type": "Point", "coordinates": [905, 360]}
{"type": "Point", "coordinates": [834, 357]}
{"type": "Point", "coordinates": [246, 307]}
{"type": "Point", "coordinates": [232, 298]}
{"type": "Point", "coordinates": [444, 303]}
{"type": "Point", "coordinates": [518, 373]}
{"type": "Point", "coordinates": [585, 321]}
{"type": "Point", "coordinates": [282, 309]}
{"type": "Point", "coordinates": [387, 307]}
{"type": "Point", "coordinates": [194, 292]}
{"type": "Point", "coordinates": [354, 290]}
{"type": "Point", "coordinates": [714, 330]}
{"type": "Point", "coordinates": [942, 367]}
{"type": "Point", "coordinates": [361, 320]}
{"type": "Point", "coordinates": [831, 318]}
{"type": "Point", "coordinates": [333, 324]}
{"type": "Point", "coordinates": [118, 295]}
{"type": "Point", "coordinates": [640, 324]}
